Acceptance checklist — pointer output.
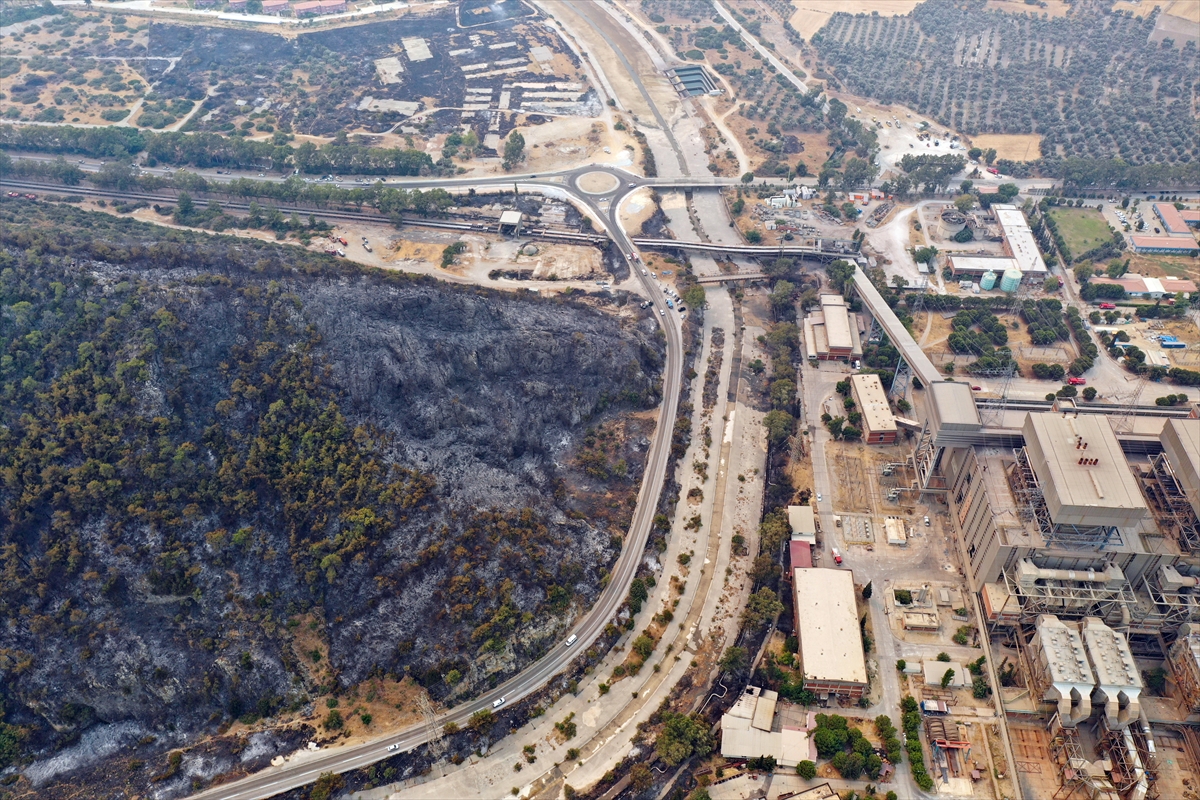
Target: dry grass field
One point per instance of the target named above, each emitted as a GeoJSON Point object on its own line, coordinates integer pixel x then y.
{"type": "Point", "coordinates": [810, 15]}
{"type": "Point", "coordinates": [1186, 9]}
{"type": "Point", "coordinates": [1015, 146]}
{"type": "Point", "coordinates": [1055, 8]}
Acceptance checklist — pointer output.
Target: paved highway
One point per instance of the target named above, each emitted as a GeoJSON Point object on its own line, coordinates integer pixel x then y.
{"type": "Point", "coordinates": [293, 775]}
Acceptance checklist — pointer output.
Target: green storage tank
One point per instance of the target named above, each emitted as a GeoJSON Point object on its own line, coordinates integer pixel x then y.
{"type": "Point", "coordinates": [988, 281]}
{"type": "Point", "coordinates": [1011, 280]}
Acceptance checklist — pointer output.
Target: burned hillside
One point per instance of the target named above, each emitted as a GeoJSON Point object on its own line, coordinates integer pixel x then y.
{"type": "Point", "coordinates": [219, 458]}
{"type": "Point", "coordinates": [377, 77]}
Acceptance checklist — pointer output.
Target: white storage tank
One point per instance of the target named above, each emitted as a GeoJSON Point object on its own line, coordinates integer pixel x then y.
{"type": "Point", "coordinates": [1011, 280]}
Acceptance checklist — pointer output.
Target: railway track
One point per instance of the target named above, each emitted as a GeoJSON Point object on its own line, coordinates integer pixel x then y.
{"type": "Point", "coordinates": [234, 204]}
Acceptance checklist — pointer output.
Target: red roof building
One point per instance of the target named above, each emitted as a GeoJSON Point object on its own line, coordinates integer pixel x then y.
{"type": "Point", "coordinates": [1169, 245]}
{"type": "Point", "coordinates": [1171, 219]}
{"type": "Point", "coordinates": [801, 553]}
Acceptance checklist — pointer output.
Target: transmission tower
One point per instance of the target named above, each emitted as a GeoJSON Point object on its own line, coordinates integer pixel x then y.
{"type": "Point", "coordinates": [435, 732]}
{"type": "Point", "coordinates": [1127, 403]}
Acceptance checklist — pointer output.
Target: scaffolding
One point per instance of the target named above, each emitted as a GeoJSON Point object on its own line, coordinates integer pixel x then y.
{"type": "Point", "coordinates": [1174, 600]}
{"type": "Point", "coordinates": [1031, 502]}
{"type": "Point", "coordinates": [925, 458]}
{"type": "Point", "coordinates": [1173, 509]}
{"type": "Point", "coordinates": [1112, 602]}
{"type": "Point", "coordinates": [1077, 773]}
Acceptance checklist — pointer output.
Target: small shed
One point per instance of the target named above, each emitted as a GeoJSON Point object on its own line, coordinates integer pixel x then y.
{"type": "Point", "coordinates": [510, 222]}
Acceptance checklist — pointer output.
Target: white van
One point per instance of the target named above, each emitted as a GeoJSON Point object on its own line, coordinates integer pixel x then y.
{"type": "Point", "coordinates": [571, 640]}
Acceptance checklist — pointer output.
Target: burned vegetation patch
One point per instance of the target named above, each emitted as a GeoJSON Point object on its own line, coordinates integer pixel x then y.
{"type": "Point", "coordinates": [423, 74]}
{"type": "Point", "coordinates": [220, 442]}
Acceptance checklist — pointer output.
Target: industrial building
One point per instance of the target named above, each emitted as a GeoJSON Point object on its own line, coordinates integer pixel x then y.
{"type": "Point", "coordinates": [833, 332]}
{"type": "Point", "coordinates": [1183, 658]}
{"type": "Point", "coordinates": [1066, 657]}
{"type": "Point", "coordinates": [803, 522]}
{"type": "Point", "coordinates": [1019, 242]}
{"type": "Point", "coordinates": [878, 422]}
{"type": "Point", "coordinates": [1166, 245]}
{"type": "Point", "coordinates": [1172, 221]}
{"type": "Point", "coordinates": [1140, 286]}
{"type": "Point", "coordinates": [831, 650]}
{"type": "Point", "coordinates": [753, 728]}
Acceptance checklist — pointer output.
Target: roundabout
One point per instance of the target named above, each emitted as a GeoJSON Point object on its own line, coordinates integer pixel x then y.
{"type": "Point", "coordinates": [597, 183]}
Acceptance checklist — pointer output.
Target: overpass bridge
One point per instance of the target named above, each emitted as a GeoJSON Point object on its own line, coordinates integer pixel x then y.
{"type": "Point", "coordinates": [826, 249]}
{"type": "Point", "coordinates": [913, 360]}
{"type": "Point", "coordinates": [690, 182]}
{"type": "Point", "coordinates": [731, 277]}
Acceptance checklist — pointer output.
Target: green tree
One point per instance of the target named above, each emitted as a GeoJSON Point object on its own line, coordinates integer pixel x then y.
{"type": "Point", "coordinates": [763, 606]}
{"type": "Point", "coordinates": [735, 660]}
{"type": "Point", "coordinates": [925, 255]}
{"type": "Point", "coordinates": [1007, 191]}
{"type": "Point", "coordinates": [641, 778]}
{"type": "Point", "coordinates": [481, 721]}
{"type": "Point", "coordinates": [326, 786]}
{"type": "Point", "coordinates": [806, 770]}
{"type": "Point", "coordinates": [947, 676]}
{"type": "Point", "coordinates": [514, 150]}
{"type": "Point", "coordinates": [681, 738]}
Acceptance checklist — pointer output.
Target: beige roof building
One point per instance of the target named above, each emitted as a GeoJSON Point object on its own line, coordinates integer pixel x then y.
{"type": "Point", "coordinates": [1018, 239]}
{"type": "Point", "coordinates": [879, 424]}
{"type": "Point", "coordinates": [832, 332]}
{"type": "Point", "coordinates": [1082, 471]}
{"type": "Point", "coordinates": [827, 625]}
{"type": "Point", "coordinates": [803, 522]}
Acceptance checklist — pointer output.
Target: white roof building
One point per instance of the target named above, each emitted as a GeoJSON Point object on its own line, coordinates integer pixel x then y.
{"type": "Point", "coordinates": [803, 522]}
{"type": "Point", "coordinates": [1019, 239]}
{"type": "Point", "coordinates": [831, 647]}
{"type": "Point", "coordinates": [750, 729]}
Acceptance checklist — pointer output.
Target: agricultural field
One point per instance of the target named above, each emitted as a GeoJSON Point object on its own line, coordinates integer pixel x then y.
{"type": "Point", "coordinates": [981, 71]}
{"type": "Point", "coordinates": [1082, 228]}
{"type": "Point", "coordinates": [77, 66]}
{"type": "Point", "coordinates": [781, 129]}
{"type": "Point", "coordinates": [1013, 146]}
{"type": "Point", "coordinates": [811, 15]}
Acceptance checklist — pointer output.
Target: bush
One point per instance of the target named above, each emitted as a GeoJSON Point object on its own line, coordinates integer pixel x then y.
{"type": "Point", "coordinates": [806, 770]}
{"type": "Point", "coordinates": [903, 597]}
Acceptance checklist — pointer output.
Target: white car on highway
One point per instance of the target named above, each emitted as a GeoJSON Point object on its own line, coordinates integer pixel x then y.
{"type": "Point", "coordinates": [498, 703]}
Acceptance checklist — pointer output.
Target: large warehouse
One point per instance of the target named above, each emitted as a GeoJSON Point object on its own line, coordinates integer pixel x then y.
{"type": "Point", "coordinates": [831, 651]}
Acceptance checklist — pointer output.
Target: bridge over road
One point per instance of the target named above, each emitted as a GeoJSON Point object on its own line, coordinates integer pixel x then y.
{"type": "Point", "coordinates": [827, 250]}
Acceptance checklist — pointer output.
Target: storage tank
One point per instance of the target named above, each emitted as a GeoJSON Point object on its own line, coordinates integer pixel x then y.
{"type": "Point", "coordinates": [1011, 280]}
{"type": "Point", "coordinates": [988, 281]}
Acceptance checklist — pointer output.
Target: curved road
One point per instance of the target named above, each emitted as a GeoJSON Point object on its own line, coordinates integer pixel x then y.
{"type": "Point", "coordinates": [274, 780]}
